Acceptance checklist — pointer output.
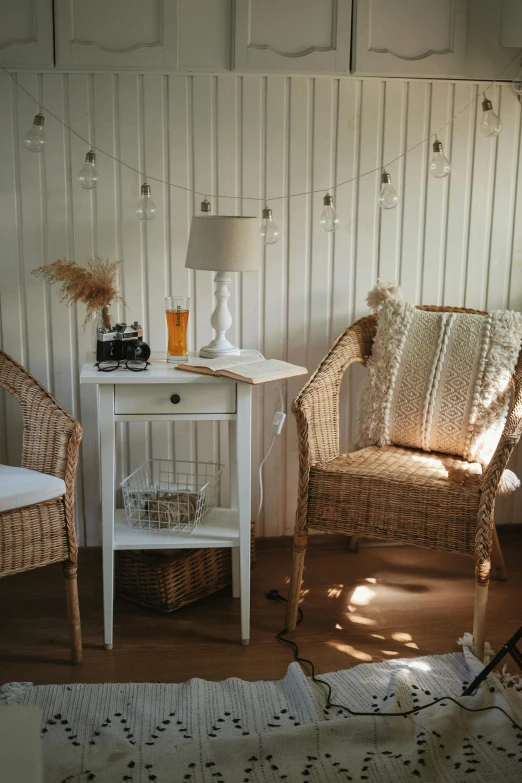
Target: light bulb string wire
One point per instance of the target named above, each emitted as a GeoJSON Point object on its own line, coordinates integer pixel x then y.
{"type": "Point", "coordinates": [256, 198]}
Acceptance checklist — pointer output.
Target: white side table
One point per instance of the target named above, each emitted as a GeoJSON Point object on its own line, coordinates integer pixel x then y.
{"type": "Point", "coordinates": [146, 396]}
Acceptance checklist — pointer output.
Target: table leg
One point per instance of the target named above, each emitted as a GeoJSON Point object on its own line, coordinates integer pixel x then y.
{"type": "Point", "coordinates": [236, 588]}
{"type": "Point", "coordinates": [108, 474]}
{"type": "Point", "coordinates": [244, 457]}
{"type": "Point", "coordinates": [236, 580]}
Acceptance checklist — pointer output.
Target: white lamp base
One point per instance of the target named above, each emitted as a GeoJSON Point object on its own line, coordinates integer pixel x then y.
{"type": "Point", "coordinates": [221, 320]}
{"type": "Point", "coordinates": [215, 349]}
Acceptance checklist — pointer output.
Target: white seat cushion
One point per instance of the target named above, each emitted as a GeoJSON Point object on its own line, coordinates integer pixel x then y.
{"type": "Point", "coordinates": [21, 487]}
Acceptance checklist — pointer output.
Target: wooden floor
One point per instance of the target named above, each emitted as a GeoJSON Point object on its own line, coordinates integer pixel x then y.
{"type": "Point", "coordinates": [383, 602]}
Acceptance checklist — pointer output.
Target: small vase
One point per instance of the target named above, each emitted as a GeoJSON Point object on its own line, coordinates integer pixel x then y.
{"type": "Point", "coordinates": [101, 321]}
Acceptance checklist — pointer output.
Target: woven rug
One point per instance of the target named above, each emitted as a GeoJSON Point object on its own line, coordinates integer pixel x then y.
{"type": "Point", "coordinates": [236, 731]}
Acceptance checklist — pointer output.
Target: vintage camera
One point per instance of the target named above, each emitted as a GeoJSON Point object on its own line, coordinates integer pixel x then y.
{"type": "Point", "coordinates": [122, 342]}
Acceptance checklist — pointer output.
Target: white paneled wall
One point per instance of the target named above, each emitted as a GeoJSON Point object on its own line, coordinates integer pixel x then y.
{"type": "Point", "coordinates": [456, 241]}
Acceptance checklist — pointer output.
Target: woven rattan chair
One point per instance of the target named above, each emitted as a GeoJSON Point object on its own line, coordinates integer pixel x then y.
{"type": "Point", "coordinates": [392, 493]}
{"type": "Point", "coordinates": [43, 533]}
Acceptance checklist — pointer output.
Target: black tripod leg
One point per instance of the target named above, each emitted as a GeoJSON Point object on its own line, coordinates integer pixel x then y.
{"type": "Point", "coordinates": [516, 655]}
{"type": "Point", "coordinates": [511, 648]}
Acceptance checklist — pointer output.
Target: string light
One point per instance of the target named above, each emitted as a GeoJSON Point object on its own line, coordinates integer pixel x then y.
{"type": "Point", "coordinates": [439, 164]}
{"type": "Point", "coordinates": [206, 207]}
{"type": "Point", "coordinates": [88, 174]}
{"type": "Point", "coordinates": [268, 232]}
{"type": "Point", "coordinates": [34, 139]}
{"type": "Point", "coordinates": [388, 197]}
{"type": "Point", "coordinates": [329, 220]}
{"type": "Point", "coordinates": [491, 124]}
{"type": "Point", "coordinates": [146, 209]}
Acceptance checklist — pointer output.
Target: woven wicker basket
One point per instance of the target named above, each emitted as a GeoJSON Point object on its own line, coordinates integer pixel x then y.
{"type": "Point", "coordinates": [166, 582]}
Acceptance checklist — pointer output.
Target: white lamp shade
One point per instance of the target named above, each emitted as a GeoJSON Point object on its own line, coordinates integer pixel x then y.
{"type": "Point", "coordinates": [224, 244]}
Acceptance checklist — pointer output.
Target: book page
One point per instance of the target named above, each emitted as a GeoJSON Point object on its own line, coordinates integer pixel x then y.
{"type": "Point", "coordinates": [226, 363]}
{"type": "Point", "coordinates": [265, 367]}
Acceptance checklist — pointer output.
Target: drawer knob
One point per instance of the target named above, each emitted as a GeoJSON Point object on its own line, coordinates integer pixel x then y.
{"type": "Point", "coordinates": [175, 399]}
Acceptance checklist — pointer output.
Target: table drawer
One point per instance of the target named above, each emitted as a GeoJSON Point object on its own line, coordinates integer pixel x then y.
{"type": "Point", "coordinates": [175, 398]}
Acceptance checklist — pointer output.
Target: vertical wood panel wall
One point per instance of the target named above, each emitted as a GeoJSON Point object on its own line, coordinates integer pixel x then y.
{"type": "Point", "coordinates": [454, 241]}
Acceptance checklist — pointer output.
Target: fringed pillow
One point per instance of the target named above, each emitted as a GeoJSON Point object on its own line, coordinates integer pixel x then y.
{"type": "Point", "coordinates": [439, 381]}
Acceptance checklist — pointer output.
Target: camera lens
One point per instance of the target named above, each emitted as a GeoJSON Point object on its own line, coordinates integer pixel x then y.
{"type": "Point", "coordinates": [136, 349]}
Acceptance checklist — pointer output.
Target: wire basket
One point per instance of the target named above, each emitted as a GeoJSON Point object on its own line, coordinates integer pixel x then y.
{"type": "Point", "coordinates": [170, 494]}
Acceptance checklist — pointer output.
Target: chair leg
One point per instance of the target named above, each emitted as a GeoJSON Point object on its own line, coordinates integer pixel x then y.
{"type": "Point", "coordinates": [498, 569]}
{"type": "Point", "coordinates": [353, 543]}
{"type": "Point", "coordinates": [482, 572]}
{"type": "Point", "coordinates": [295, 587]}
{"type": "Point", "coordinates": [70, 571]}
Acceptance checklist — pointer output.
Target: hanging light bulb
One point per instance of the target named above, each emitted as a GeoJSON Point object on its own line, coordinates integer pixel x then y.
{"type": "Point", "coordinates": [206, 207]}
{"type": "Point", "coordinates": [35, 139]}
{"type": "Point", "coordinates": [88, 174]}
{"type": "Point", "coordinates": [268, 232]}
{"type": "Point", "coordinates": [329, 220]}
{"type": "Point", "coordinates": [388, 198]}
{"type": "Point", "coordinates": [146, 209]}
{"type": "Point", "coordinates": [516, 84]}
{"type": "Point", "coordinates": [491, 124]}
{"type": "Point", "coordinates": [439, 164]}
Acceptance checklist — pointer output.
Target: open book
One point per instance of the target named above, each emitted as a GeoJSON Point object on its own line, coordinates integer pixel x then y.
{"type": "Point", "coordinates": [247, 369]}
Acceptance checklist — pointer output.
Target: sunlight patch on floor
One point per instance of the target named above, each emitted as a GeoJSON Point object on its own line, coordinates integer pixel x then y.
{"type": "Point", "coordinates": [377, 636]}
{"type": "Point", "coordinates": [346, 648]}
{"type": "Point", "coordinates": [399, 636]}
{"type": "Point", "coordinates": [359, 620]}
{"type": "Point", "coordinates": [362, 595]}
{"type": "Point", "coordinates": [335, 591]}
{"type": "Point", "coordinates": [389, 652]}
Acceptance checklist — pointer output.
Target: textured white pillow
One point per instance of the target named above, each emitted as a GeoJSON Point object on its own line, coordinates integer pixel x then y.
{"type": "Point", "coordinates": [438, 381]}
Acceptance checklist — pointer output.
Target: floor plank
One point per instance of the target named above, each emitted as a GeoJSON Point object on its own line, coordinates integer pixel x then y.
{"type": "Point", "coordinates": [380, 603]}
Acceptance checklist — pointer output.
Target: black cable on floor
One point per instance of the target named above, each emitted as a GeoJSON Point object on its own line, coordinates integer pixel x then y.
{"type": "Point", "coordinates": [275, 595]}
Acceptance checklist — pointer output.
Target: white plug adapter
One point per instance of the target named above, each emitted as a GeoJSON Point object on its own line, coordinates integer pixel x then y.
{"type": "Point", "coordinates": [278, 422]}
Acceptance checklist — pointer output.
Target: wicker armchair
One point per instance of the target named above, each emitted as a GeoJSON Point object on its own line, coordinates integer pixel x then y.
{"type": "Point", "coordinates": [390, 492]}
{"type": "Point", "coordinates": [43, 533]}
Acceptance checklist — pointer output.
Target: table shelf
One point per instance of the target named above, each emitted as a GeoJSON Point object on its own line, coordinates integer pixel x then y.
{"type": "Point", "coordinates": [219, 529]}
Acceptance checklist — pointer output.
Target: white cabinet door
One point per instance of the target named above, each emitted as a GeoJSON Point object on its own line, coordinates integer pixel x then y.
{"type": "Point", "coordinates": [511, 33]}
{"type": "Point", "coordinates": [26, 33]}
{"type": "Point", "coordinates": [204, 35]}
{"type": "Point", "coordinates": [410, 37]}
{"type": "Point", "coordinates": [293, 35]}
{"type": "Point", "coordinates": [115, 33]}
{"type": "Point", "coordinates": [144, 34]}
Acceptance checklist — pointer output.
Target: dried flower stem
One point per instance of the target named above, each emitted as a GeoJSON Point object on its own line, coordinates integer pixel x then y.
{"type": "Point", "coordinates": [94, 285]}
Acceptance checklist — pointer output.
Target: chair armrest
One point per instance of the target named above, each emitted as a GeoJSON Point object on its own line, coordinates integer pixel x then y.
{"type": "Point", "coordinates": [493, 473]}
{"type": "Point", "coordinates": [316, 407]}
{"type": "Point", "coordinates": [509, 438]}
{"type": "Point", "coordinates": [51, 437]}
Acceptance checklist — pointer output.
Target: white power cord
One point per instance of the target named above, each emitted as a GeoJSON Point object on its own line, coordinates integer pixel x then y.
{"type": "Point", "coordinates": [277, 427]}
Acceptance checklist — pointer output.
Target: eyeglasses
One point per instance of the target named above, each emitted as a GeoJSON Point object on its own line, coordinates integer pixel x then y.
{"type": "Point", "coordinates": [134, 365]}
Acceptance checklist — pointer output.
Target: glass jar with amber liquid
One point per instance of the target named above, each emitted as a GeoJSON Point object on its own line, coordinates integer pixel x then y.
{"type": "Point", "coordinates": [177, 311]}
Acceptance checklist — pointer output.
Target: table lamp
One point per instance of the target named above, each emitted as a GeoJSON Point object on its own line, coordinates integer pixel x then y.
{"type": "Point", "coordinates": [223, 244]}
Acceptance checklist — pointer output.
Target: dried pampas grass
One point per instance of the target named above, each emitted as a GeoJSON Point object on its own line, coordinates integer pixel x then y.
{"type": "Point", "coordinates": [94, 284]}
